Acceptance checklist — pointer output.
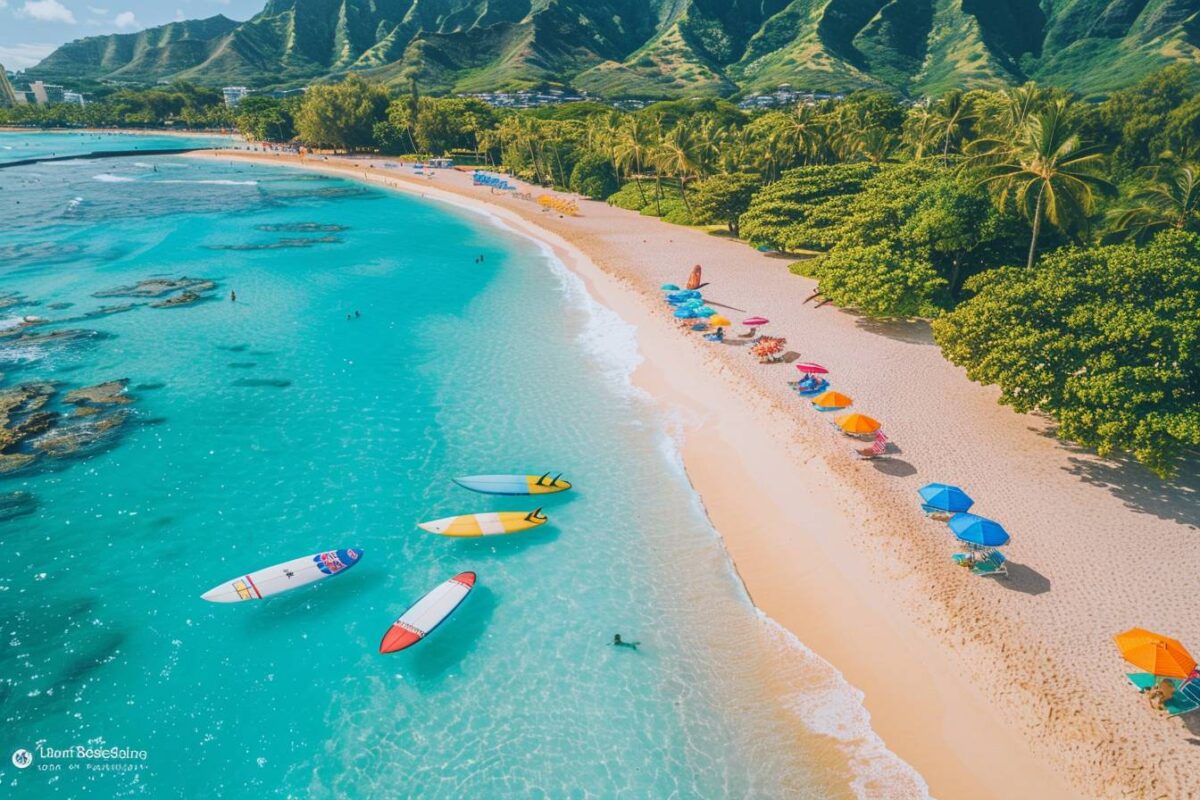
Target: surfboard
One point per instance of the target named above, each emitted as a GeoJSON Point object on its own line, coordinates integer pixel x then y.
{"type": "Point", "coordinates": [282, 577]}
{"type": "Point", "coordinates": [423, 616]}
{"type": "Point", "coordinates": [492, 523]}
{"type": "Point", "coordinates": [514, 484]}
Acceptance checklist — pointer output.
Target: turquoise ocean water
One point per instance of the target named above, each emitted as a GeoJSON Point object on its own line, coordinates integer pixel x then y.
{"type": "Point", "coordinates": [275, 427]}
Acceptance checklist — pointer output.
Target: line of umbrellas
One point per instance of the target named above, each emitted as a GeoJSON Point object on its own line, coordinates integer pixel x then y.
{"type": "Point", "coordinates": [944, 498]}
{"type": "Point", "coordinates": [816, 388]}
{"type": "Point", "coordinates": [689, 304]}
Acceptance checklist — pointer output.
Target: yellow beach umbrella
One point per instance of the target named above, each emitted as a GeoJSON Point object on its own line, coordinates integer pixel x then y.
{"type": "Point", "coordinates": [832, 400]}
{"type": "Point", "coordinates": [857, 423]}
{"type": "Point", "coordinates": [1157, 654]}
{"type": "Point", "coordinates": [719, 320]}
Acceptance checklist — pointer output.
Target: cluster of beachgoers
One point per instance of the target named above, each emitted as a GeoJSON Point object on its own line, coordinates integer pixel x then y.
{"type": "Point", "coordinates": [1171, 679]}
{"type": "Point", "coordinates": [435, 606]}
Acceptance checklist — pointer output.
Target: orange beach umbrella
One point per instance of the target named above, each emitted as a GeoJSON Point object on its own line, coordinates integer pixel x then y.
{"type": "Point", "coordinates": [1157, 654]}
{"type": "Point", "coordinates": [857, 423]}
{"type": "Point", "coordinates": [832, 400]}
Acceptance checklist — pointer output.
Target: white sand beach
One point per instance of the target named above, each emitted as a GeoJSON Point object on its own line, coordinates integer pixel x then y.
{"type": "Point", "coordinates": [989, 687]}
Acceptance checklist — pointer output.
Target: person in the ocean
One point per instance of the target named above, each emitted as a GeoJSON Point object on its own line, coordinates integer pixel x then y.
{"type": "Point", "coordinates": [618, 642]}
{"type": "Point", "coordinates": [357, 315]}
{"type": "Point", "coordinates": [232, 296]}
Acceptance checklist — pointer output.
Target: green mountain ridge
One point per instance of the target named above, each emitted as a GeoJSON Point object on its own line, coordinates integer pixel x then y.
{"type": "Point", "coordinates": [657, 48]}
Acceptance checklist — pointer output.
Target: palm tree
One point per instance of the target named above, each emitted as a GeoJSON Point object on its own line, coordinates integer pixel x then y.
{"type": "Point", "coordinates": [1045, 169]}
{"type": "Point", "coordinates": [921, 131]}
{"type": "Point", "coordinates": [1170, 200]}
{"type": "Point", "coordinates": [952, 118]}
{"type": "Point", "coordinates": [633, 148]}
{"type": "Point", "coordinates": [677, 155]}
{"type": "Point", "coordinates": [803, 131]}
{"type": "Point", "coordinates": [876, 144]}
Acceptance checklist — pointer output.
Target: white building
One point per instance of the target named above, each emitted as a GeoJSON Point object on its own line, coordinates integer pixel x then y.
{"type": "Point", "coordinates": [73, 97]}
{"type": "Point", "coordinates": [234, 94]}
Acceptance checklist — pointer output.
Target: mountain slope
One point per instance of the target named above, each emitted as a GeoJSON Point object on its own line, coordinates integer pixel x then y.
{"type": "Point", "coordinates": [658, 48]}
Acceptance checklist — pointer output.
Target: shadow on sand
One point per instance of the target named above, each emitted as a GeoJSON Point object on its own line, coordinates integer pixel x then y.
{"type": "Point", "coordinates": [911, 331]}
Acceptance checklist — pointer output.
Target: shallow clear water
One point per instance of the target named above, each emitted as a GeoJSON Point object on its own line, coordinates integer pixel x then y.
{"type": "Point", "coordinates": [273, 427]}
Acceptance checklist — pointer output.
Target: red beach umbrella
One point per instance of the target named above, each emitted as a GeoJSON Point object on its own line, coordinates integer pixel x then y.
{"type": "Point", "coordinates": [808, 368]}
{"type": "Point", "coordinates": [754, 322]}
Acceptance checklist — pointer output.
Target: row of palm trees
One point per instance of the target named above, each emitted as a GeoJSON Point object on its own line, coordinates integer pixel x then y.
{"type": "Point", "coordinates": [1024, 144]}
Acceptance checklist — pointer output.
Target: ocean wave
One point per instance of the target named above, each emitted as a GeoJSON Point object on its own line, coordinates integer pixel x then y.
{"type": "Point", "coordinates": [214, 182]}
{"type": "Point", "coordinates": [828, 705]}
{"type": "Point", "coordinates": [108, 177]}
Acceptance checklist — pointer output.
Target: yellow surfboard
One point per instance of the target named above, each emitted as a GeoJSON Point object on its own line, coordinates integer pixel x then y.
{"type": "Point", "coordinates": [515, 484]}
{"type": "Point", "coordinates": [492, 523]}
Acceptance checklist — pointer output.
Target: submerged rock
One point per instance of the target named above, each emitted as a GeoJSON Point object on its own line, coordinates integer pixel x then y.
{"type": "Point", "coordinates": [81, 436]}
{"type": "Point", "coordinates": [276, 383]}
{"type": "Point", "coordinates": [16, 504]}
{"type": "Point", "coordinates": [11, 462]}
{"type": "Point", "coordinates": [279, 245]}
{"type": "Point", "coordinates": [107, 393]}
{"type": "Point", "coordinates": [301, 227]}
{"type": "Point", "coordinates": [157, 287]}
{"type": "Point", "coordinates": [182, 299]}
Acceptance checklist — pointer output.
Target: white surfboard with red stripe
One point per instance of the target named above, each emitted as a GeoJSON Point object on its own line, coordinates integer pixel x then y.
{"type": "Point", "coordinates": [282, 577]}
{"type": "Point", "coordinates": [427, 613]}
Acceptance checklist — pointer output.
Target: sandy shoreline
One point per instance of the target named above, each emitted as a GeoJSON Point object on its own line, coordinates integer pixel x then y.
{"type": "Point", "coordinates": [988, 688]}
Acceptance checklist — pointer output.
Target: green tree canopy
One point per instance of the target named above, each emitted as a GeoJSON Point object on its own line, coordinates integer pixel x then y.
{"type": "Point", "coordinates": [1104, 339]}
{"type": "Point", "coordinates": [594, 177]}
{"type": "Point", "coordinates": [724, 198]}
{"type": "Point", "coordinates": [341, 115]}
{"type": "Point", "coordinates": [798, 211]}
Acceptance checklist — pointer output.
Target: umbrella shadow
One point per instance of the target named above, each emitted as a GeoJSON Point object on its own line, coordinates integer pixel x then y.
{"type": "Point", "coordinates": [791, 356]}
{"type": "Point", "coordinates": [315, 601]}
{"type": "Point", "coordinates": [895, 467]}
{"type": "Point", "coordinates": [1025, 579]}
{"type": "Point", "coordinates": [1192, 723]}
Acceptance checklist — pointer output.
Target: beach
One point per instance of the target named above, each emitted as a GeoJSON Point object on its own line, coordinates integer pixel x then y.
{"type": "Point", "coordinates": [988, 688]}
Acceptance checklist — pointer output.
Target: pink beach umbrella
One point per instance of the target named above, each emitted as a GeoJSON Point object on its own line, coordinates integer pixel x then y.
{"type": "Point", "coordinates": [808, 368]}
{"type": "Point", "coordinates": [754, 322]}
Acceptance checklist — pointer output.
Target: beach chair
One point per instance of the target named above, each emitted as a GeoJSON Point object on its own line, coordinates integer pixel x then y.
{"type": "Point", "coordinates": [994, 563]}
{"type": "Point", "coordinates": [879, 449]}
{"type": "Point", "coordinates": [939, 514]}
{"type": "Point", "coordinates": [1186, 699]}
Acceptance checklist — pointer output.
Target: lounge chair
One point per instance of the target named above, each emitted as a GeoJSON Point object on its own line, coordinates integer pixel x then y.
{"type": "Point", "coordinates": [994, 563]}
{"type": "Point", "coordinates": [1185, 700]}
{"type": "Point", "coordinates": [939, 514]}
{"type": "Point", "coordinates": [877, 450]}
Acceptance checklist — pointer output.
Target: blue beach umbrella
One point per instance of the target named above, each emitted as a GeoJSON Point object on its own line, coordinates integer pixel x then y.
{"type": "Point", "coordinates": [944, 497]}
{"type": "Point", "coordinates": [977, 530]}
{"type": "Point", "coordinates": [669, 287]}
{"type": "Point", "coordinates": [706, 311]}
{"type": "Point", "coordinates": [686, 313]}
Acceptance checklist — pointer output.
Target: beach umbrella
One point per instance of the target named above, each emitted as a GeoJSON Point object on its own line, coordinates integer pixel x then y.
{"type": "Point", "coordinates": [719, 320]}
{"type": "Point", "coordinates": [857, 423]}
{"type": "Point", "coordinates": [669, 287]}
{"type": "Point", "coordinates": [945, 497]}
{"type": "Point", "coordinates": [832, 400]}
{"type": "Point", "coordinates": [700, 326]}
{"type": "Point", "coordinates": [754, 322]}
{"type": "Point", "coordinates": [977, 530]}
{"type": "Point", "coordinates": [693, 302]}
{"type": "Point", "coordinates": [705, 311]}
{"type": "Point", "coordinates": [1157, 654]}
{"type": "Point", "coordinates": [686, 313]}
{"type": "Point", "coordinates": [809, 368]}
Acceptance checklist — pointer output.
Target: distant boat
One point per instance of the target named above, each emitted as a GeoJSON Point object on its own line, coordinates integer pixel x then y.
{"type": "Point", "coordinates": [491, 523]}
{"type": "Point", "coordinates": [283, 577]}
{"type": "Point", "coordinates": [423, 616]}
{"type": "Point", "coordinates": [514, 484]}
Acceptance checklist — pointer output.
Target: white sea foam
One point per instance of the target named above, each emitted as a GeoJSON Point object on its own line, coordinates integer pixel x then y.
{"type": "Point", "coordinates": [826, 704]}
{"type": "Point", "coordinates": [108, 177]}
{"type": "Point", "coordinates": [215, 182]}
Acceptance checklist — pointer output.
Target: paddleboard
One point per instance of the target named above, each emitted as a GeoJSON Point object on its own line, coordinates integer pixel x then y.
{"type": "Point", "coordinates": [282, 577]}
{"type": "Point", "coordinates": [492, 523]}
{"type": "Point", "coordinates": [427, 613]}
{"type": "Point", "coordinates": [514, 484]}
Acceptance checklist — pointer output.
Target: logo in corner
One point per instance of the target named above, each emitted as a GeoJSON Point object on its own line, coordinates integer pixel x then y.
{"type": "Point", "coordinates": [22, 758]}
